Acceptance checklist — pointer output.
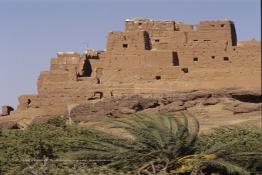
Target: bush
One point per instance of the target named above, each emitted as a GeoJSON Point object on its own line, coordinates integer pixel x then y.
{"type": "Point", "coordinates": [239, 144]}
{"type": "Point", "coordinates": [159, 144]}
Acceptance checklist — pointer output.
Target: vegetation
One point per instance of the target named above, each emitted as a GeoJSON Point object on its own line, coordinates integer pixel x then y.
{"type": "Point", "coordinates": [154, 144]}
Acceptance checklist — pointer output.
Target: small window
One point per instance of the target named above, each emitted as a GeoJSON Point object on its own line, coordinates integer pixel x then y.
{"type": "Point", "coordinates": [213, 25]}
{"type": "Point", "coordinates": [125, 45]}
{"type": "Point", "coordinates": [98, 95]}
{"type": "Point", "coordinates": [140, 23]}
{"type": "Point", "coordinates": [157, 40]}
{"type": "Point", "coordinates": [195, 59]}
{"type": "Point", "coordinates": [222, 25]}
{"type": "Point", "coordinates": [98, 81]}
{"type": "Point", "coordinates": [185, 70]}
{"type": "Point", "coordinates": [158, 77]}
{"type": "Point", "coordinates": [213, 57]}
{"type": "Point", "coordinates": [226, 59]}
{"type": "Point", "coordinates": [195, 40]}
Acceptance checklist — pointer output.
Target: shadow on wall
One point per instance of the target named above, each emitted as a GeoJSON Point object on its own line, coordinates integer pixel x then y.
{"type": "Point", "coordinates": [233, 35]}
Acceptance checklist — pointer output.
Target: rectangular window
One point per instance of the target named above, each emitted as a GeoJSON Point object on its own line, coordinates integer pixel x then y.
{"type": "Point", "coordinates": [226, 59]}
{"type": "Point", "coordinates": [158, 77]}
{"type": "Point", "coordinates": [195, 59]}
{"type": "Point", "coordinates": [185, 70]}
{"type": "Point", "coordinates": [157, 40]}
{"type": "Point", "coordinates": [125, 45]}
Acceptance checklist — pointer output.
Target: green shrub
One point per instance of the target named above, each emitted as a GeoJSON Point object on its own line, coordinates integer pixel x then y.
{"type": "Point", "coordinates": [159, 144]}
{"type": "Point", "coordinates": [239, 144]}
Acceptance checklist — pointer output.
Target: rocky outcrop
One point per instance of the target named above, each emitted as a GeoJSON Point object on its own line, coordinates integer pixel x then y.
{"type": "Point", "coordinates": [211, 101]}
{"type": "Point", "coordinates": [237, 108]}
{"type": "Point", "coordinates": [165, 103]}
{"type": "Point", "coordinates": [203, 103]}
{"type": "Point", "coordinates": [114, 107]}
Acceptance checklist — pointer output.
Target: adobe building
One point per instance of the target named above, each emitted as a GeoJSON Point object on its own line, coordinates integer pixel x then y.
{"type": "Point", "coordinates": [148, 58]}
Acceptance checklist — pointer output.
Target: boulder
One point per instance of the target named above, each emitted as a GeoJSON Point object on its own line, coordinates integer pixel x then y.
{"type": "Point", "coordinates": [173, 107]}
{"type": "Point", "coordinates": [210, 101]}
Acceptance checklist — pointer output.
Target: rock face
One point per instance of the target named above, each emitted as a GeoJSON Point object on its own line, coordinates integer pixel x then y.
{"type": "Point", "coordinates": [112, 108]}
{"type": "Point", "coordinates": [243, 107]}
{"type": "Point", "coordinates": [118, 107]}
{"type": "Point", "coordinates": [212, 108]}
{"type": "Point", "coordinates": [146, 66]}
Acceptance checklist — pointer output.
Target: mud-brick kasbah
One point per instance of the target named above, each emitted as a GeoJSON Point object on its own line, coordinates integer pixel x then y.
{"type": "Point", "coordinates": [148, 58]}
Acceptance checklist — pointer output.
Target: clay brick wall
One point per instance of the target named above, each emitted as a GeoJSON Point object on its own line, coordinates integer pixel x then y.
{"type": "Point", "coordinates": [183, 27]}
{"type": "Point", "coordinates": [225, 26]}
{"type": "Point", "coordinates": [133, 40]}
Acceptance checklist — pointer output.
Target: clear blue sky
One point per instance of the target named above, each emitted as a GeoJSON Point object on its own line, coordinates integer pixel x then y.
{"type": "Point", "coordinates": [32, 31]}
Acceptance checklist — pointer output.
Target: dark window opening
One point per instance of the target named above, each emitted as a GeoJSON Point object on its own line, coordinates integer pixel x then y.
{"type": "Point", "coordinates": [157, 40]}
{"type": "Point", "coordinates": [158, 77]}
{"type": "Point", "coordinates": [125, 45]}
{"type": "Point", "coordinates": [28, 101]}
{"type": "Point", "coordinates": [222, 25]}
{"type": "Point", "coordinates": [195, 40]}
{"type": "Point", "coordinates": [213, 57]}
{"type": "Point", "coordinates": [213, 25]}
{"type": "Point", "coordinates": [185, 70]}
{"type": "Point", "coordinates": [97, 95]}
{"type": "Point", "coordinates": [226, 59]}
{"type": "Point", "coordinates": [195, 59]}
{"type": "Point", "coordinates": [140, 23]}
{"type": "Point", "coordinates": [98, 81]}
{"type": "Point", "coordinates": [175, 59]}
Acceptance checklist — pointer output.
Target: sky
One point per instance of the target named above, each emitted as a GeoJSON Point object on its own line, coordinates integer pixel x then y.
{"type": "Point", "coordinates": [33, 31]}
